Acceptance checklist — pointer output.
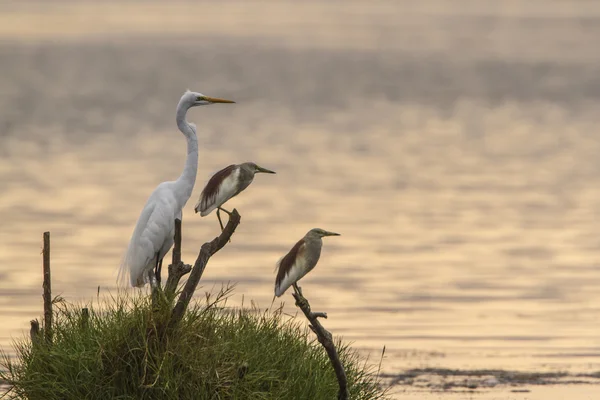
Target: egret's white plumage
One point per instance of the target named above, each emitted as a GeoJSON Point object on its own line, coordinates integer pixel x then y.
{"type": "Point", "coordinates": [300, 260]}
{"type": "Point", "coordinates": [153, 235]}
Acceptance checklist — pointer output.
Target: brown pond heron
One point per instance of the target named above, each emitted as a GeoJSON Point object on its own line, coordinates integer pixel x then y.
{"type": "Point", "coordinates": [300, 260]}
{"type": "Point", "coordinates": [225, 184]}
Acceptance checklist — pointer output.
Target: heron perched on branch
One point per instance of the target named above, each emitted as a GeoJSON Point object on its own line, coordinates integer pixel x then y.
{"type": "Point", "coordinates": [300, 260]}
{"type": "Point", "coordinates": [153, 235]}
{"type": "Point", "coordinates": [225, 184]}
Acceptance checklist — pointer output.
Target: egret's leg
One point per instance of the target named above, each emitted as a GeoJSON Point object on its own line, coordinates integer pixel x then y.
{"type": "Point", "coordinates": [156, 293]}
{"type": "Point", "coordinates": [158, 271]}
{"type": "Point", "coordinates": [152, 279]}
{"type": "Point", "coordinates": [220, 222]}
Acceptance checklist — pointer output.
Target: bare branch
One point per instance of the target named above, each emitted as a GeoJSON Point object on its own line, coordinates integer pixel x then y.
{"type": "Point", "coordinates": [85, 318]}
{"type": "Point", "coordinates": [176, 272]}
{"type": "Point", "coordinates": [177, 242]}
{"type": "Point", "coordinates": [325, 338]}
{"type": "Point", "coordinates": [47, 289]}
{"type": "Point", "coordinates": [177, 269]}
{"type": "Point", "coordinates": [34, 332]}
{"type": "Point", "coordinates": [207, 250]}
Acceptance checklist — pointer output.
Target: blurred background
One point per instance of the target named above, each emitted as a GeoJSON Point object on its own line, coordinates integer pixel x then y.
{"type": "Point", "coordinates": [454, 145]}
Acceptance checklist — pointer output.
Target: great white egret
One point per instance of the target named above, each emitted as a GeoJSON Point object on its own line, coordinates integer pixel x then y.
{"type": "Point", "coordinates": [153, 235]}
{"type": "Point", "coordinates": [300, 260]}
{"type": "Point", "coordinates": [224, 185]}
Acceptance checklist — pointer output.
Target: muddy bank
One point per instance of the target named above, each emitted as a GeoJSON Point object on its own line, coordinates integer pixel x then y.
{"type": "Point", "coordinates": [448, 379]}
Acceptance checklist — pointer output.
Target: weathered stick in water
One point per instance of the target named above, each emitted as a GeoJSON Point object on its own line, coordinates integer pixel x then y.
{"type": "Point", "coordinates": [85, 318]}
{"type": "Point", "coordinates": [47, 290]}
{"type": "Point", "coordinates": [177, 269]}
{"type": "Point", "coordinates": [34, 332]}
{"type": "Point", "coordinates": [325, 338]}
{"type": "Point", "coordinates": [207, 250]}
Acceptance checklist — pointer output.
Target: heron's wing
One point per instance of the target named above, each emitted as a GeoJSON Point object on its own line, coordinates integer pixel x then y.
{"type": "Point", "coordinates": [153, 234]}
{"type": "Point", "coordinates": [221, 187]}
{"type": "Point", "coordinates": [292, 267]}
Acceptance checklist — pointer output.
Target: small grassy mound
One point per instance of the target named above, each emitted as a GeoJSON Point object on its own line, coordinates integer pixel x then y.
{"type": "Point", "coordinates": [124, 351]}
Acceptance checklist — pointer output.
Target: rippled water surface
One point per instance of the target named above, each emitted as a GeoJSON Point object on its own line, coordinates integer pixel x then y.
{"type": "Point", "coordinates": [455, 148]}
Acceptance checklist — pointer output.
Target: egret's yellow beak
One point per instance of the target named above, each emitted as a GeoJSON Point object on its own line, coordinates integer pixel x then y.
{"type": "Point", "coordinates": [217, 100]}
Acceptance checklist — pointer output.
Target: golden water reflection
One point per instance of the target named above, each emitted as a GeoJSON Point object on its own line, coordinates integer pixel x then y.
{"type": "Point", "coordinates": [465, 184]}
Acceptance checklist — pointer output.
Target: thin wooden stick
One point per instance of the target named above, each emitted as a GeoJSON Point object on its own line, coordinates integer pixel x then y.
{"type": "Point", "coordinates": [177, 240]}
{"type": "Point", "coordinates": [34, 331]}
{"type": "Point", "coordinates": [177, 269]}
{"type": "Point", "coordinates": [85, 318]}
{"type": "Point", "coordinates": [325, 338]}
{"type": "Point", "coordinates": [207, 250]}
{"type": "Point", "coordinates": [47, 290]}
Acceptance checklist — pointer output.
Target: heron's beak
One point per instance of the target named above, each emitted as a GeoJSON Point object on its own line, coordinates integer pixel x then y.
{"type": "Point", "coordinates": [217, 100]}
{"type": "Point", "coordinates": [264, 170]}
{"type": "Point", "coordinates": [331, 234]}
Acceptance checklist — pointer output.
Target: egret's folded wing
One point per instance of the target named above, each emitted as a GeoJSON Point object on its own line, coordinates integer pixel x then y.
{"type": "Point", "coordinates": [132, 262]}
{"type": "Point", "coordinates": [153, 234]}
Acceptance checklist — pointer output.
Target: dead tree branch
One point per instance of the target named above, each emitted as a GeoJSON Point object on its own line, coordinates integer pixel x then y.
{"type": "Point", "coordinates": [207, 250]}
{"type": "Point", "coordinates": [85, 318]}
{"type": "Point", "coordinates": [47, 289]}
{"type": "Point", "coordinates": [34, 331]}
{"type": "Point", "coordinates": [325, 338]}
{"type": "Point", "coordinates": [177, 269]}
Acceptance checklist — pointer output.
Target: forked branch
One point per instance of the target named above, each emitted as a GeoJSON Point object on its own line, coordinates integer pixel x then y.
{"type": "Point", "coordinates": [325, 338]}
{"type": "Point", "coordinates": [207, 250]}
{"type": "Point", "coordinates": [177, 269]}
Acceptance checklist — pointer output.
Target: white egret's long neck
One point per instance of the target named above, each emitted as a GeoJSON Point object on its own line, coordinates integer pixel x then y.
{"type": "Point", "coordinates": [185, 183]}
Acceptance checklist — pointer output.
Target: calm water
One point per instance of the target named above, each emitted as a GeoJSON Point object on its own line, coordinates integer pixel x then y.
{"type": "Point", "coordinates": [455, 148]}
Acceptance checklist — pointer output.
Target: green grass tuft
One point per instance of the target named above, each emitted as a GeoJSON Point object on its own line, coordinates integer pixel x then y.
{"type": "Point", "coordinates": [125, 352]}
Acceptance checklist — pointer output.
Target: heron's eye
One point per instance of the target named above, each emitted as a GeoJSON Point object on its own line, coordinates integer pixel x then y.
{"type": "Point", "coordinates": [200, 98]}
